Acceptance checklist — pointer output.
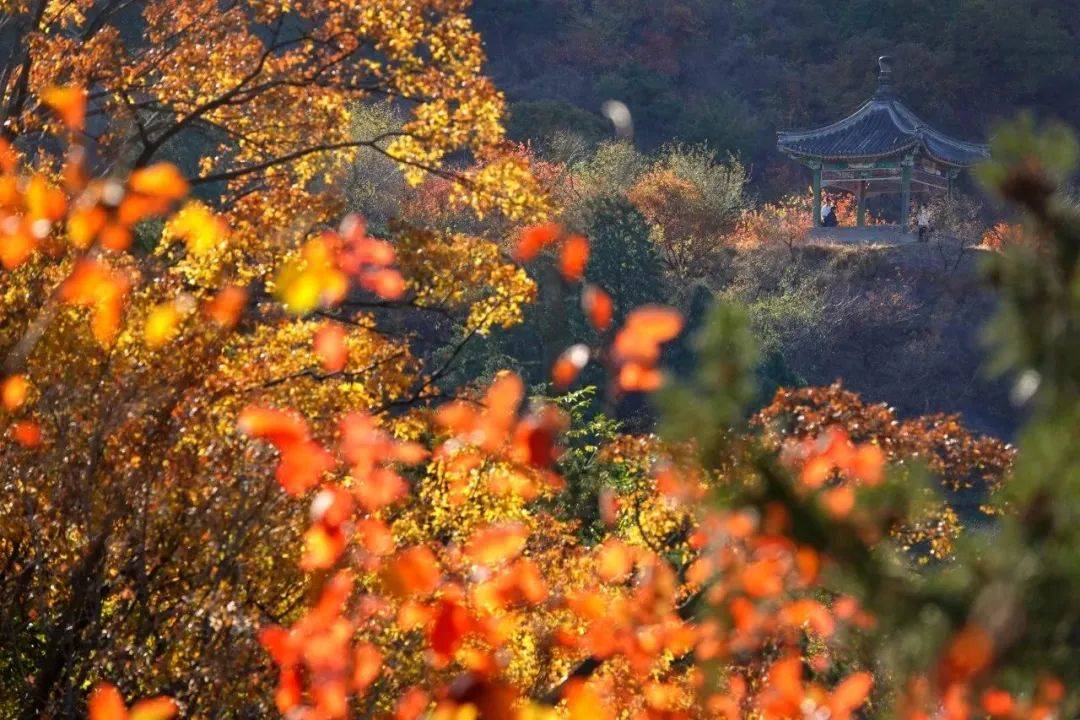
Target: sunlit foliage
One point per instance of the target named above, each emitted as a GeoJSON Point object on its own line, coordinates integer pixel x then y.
{"type": "Point", "coordinates": [221, 423]}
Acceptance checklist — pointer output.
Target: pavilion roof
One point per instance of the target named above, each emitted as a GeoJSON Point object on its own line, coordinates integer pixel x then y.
{"type": "Point", "coordinates": [882, 128]}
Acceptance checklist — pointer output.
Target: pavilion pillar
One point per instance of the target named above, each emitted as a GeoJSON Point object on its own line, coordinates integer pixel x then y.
{"type": "Point", "coordinates": [860, 204]}
{"type": "Point", "coordinates": [817, 195]}
{"type": "Point", "coordinates": [905, 194]}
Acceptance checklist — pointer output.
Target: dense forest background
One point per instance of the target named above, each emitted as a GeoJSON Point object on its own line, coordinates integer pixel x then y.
{"type": "Point", "coordinates": [732, 72]}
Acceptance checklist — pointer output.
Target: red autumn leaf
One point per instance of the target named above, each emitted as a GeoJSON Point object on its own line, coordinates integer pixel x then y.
{"type": "Point", "coordinates": [574, 257]}
{"type": "Point", "coordinates": [414, 571]}
{"type": "Point", "coordinates": [816, 471]}
{"type": "Point", "coordinates": [452, 623]}
{"type": "Point", "coordinates": [332, 506]}
{"type": "Point", "coordinates": [374, 536]}
{"type": "Point", "coordinates": [277, 427]}
{"type": "Point", "coordinates": [287, 695]}
{"type": "Point", "coordinates": [569, 364]}
{"type": "Point", "coordinates": [850, 695]}
{"type": "Point", "coordinates": [785, 677]}
{"type": "Point", "coordinates": [634, 377]}
{"type": "Point", "coordinates": [387, 283]}
{"type": "Point", "coordinates": [597, 306]}
{"type": "Point", "coordinates": [302, 466]}
{"type": "Point", "coordinates": [17, 248]}
{"type": "Point", "coordinates": [535, 238]}
{"type": "Point", "coordinates": [367, 665]}
{"type": "Point", "coordinates": [645, 329]}
{"type": "Point", "coordinates": [279, 643]}
{"type": "Point", "coordinates": [998, 703]}
{"type": "Point", "coordinates": [27, 433]}
{"type": "Point", "coordinates": [497, 543]}
{"type": "Point", "coordinates": [411, 704]}
{"type": "Point", "coordinates": [609, 506]}
{"type": "Point", "coordinates": [968, 653]}
{"type": "Point", "coordinates": [379, 488]}
{"type": "Point", "coordinates": [225, 307]}
{"type": "Point", "coordinates": [330, 346]}
{"type": "Point", "coordinates": [839, 501]}
{"type": "Point", "coordinates": [809, 612]}
{"type": "Point", "coordinates": [762, 578]}
{"type": "Point", "coordinates": [868, 464]}
{"type": "Point", "coordinates": [535, 436]}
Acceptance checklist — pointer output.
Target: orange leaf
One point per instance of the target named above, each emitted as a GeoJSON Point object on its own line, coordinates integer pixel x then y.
{"type": "Point", "coordinates": [998, 702]}
{"type": "Point", "coordinates": [367, 665]}
{"type": "Point", "coordinates": [14, 391]}
{"type": "Point", "coordinates": [411, 704]}
{"type": "Point", "coordinates": [27, 433]}
{"type": "Point", "coordinates": [414, 572]}
{"type": "Point", "coordinates": [816, 471]}
{"type": "Point", "coordinates": [969, 652]}
{"type": "Point", "coordinates": [330, 347]}
{"type": "Point", "coordinates": [535, 238]}
{"type": "Point", "coordinates": [806, 611]}
{"type": "Point", "coordinates": [225, 307]}
{"type": "Point", "coordinates": [379, 488]}
{"type": "Point", "coordinates": [387, 283]}
{"type": "Point", "coordinates": [583, 702]}
{"type": "Point", "coordinates": [69, 103]}
{"type": "Point", "coordinates": [569, 364]}
{"type": "Point", "coordinates": [504, 396]}
{"type": "Point", "coordinates": [497, 543]}
{"type": "Point", "coordinates": [634, 377]}
{"type": "Point", "coordinates": [280, 644]}
{"type": "Point", "coordinates": [302, 466]}
{"type": "Point", "coordinates": [84, 224]}
{"type": "Point", "coordinates": [645, 329]}
{"type": "Point", "coordinates": [868, 464]}
{"type": "Point", "coordinates": [839, 501]}
{"type": "Point", "coordinates": [159, 708]}
{"type": "Point", "coordinates": [762, 578]}
{"type": "Point", "coordinates": [609, 506]}
{"type": "Point", "coordinates": [275, 426]}
{"type": "Point", "coordinates": [332, 506]}
{"type": "Point", "coordinates": [161, 180]}
{"type": "Point", "coordinates": [16, 247]}
{"type": "Point", "coordinates": [614, 561]}
{"type": "Point", "coordinates": [44, 201]}
{"type": "Point", "coordinates": [287, 695]}
{"type": "Point", "coordinates": [115, 237]}
{"type": "Point", "coordinates": [106, 703]}
{"type": "Point", "coordinates": [850, 695]}
{"type": "Point", "coordinates": [574, 257]}
{"type": "Point", "coordinates": [323, 545]}
{"type": "Point", "coordinates": [785, 676]}
{"type": "Point", "coordinates": [597, 306]}
{"type": "Point", "coordinates": [95, 285]}
{"type": "Point", "coordinates": [374, 536]}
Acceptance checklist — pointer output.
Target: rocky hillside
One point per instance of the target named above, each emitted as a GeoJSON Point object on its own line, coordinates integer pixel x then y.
{"type": "Point", "coordinates": [901, 325]}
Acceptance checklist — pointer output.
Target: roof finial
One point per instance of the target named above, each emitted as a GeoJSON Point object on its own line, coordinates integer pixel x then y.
{"type": "Point", "coordinates": [884, 89]}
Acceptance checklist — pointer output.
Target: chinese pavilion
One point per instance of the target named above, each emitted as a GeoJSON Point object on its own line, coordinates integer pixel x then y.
{"type": "Point", "coordinates": [883, 147]}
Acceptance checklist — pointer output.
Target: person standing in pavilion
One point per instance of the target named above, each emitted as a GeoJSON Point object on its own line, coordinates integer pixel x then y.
{"type": "Point", "coordinates": [922, 220]}
{"type": "Point", "coordinates": [828, 214]}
